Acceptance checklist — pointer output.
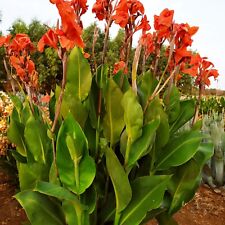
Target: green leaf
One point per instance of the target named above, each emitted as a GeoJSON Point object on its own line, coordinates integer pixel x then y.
{"type": "Point", "coordinates": [37, 140]}
{"type": "Point", "coordinates": [40, 209]}
{"type": "Point", "coordinates": [184, 184]}
{"type": "Point", "coordinates": [133, 115]}
{"type": "Point", "coordinates": [155, 110]}
{"type": "Point", "coordinates": [148, 194]}
{"type": "Point", "coordinates": [119, 180]}
{"type": "Point", "coordinates": [29, 174]}
{"type": "Point", "coordinates": [56, 191]}
{"type": "Point", "coordinates": [18, 157]}
{"type": "Point", "coordinates": [140, 147]}
{"type": "Point", "coordinates": [113, 122]}
{"type": "Point", "coordinates": [178, 150]}
{"type": "Point", "coordinates": [70, 212]}
{"type": "Point", "coordinates": [146, 87]}
{"type": "Point", "coordinates": [16, 102]}
{"type": "Point", "coordinates": [101, 75]}
{"type": "Point", "coordinates": [73, 105]}
{"type": "Point", "coordinates": [79, 76]}
{"type": "Point", "coordinates": [187, 110]}
{"type": "Point", "coordinates": [204, 153]}
{"type": "Point", "coordinates": [15, 134]}
{"type": "Point", "coordinates": [172, 102]}
{"type": "Point", "coordinates": [122, 81]}
{"type": "Point", "coordinates": [76, 168]}
{"type": "Point", "coordinates": [89, 199]}
{"type": "Point", "coordinates": [165, 219]}
{"type": "Point", "coordinates": [74, 215]}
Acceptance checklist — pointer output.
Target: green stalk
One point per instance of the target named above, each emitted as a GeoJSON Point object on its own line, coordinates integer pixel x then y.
{"type": "Point", "coordinates": [127, 154]}
{"type": "Point", "coordinates": [117, 218]}
{"type": "Point", "coordinates": [134, 68]}
{"type": "Point", "coordinates": [76, 172]}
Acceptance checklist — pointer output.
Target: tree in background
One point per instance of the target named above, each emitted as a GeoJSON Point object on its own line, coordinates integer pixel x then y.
{"type": "Point", "coordinates": [47, 64]}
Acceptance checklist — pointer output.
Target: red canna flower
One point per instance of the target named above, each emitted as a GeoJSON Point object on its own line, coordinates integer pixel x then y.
{"type": "Point", "coordinates": [121, 16]}
{"type": "Point", "coordinates": [163, 24]}
{"type": "Point", "coordinates": [184, 34]}
{"type": "Point", "coordinates": [180, 54]}
{"type": "Point", "coordinates": [46, 98]}
{"type": "Point", "coordinates": [120, 66]}
{"type": "Point", "coordinates": [165, 19]}
{"type": "Point", "coordinates": [102, 9]}
{"type": "Point", "coordinates": [127, 11]}
{"type": "Point", "coordinates": [80, 6]}
{"type": "Point", "coordinates": [70, 12]}
{"type": "Point", "coordinates": [5, 40]}
{"type": "Point", "coordinates": [21, 42]}
{"type": "Point", "coordinates": [50, 38]}
{"type": "Point", "coordinates": [148, 43]}
{"type": "Point", "coordinates": [144, 25]}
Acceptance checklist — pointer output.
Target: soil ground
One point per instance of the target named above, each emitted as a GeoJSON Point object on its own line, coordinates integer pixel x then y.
{"type": "Point", "coordinates": [206, 208]}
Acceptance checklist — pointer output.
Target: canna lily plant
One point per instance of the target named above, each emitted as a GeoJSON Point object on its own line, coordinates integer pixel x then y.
{"type": "Point", "coordinates": [111, 152]}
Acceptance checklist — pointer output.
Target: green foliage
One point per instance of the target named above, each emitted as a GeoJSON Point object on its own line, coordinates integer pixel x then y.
{"type": "Point", "coordinates": [115, 157]}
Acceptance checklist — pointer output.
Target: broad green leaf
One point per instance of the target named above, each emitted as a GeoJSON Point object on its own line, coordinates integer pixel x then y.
{"type": "Point", "coordinates": [56, 191]}
{"type": "Point", "coordinates": [108, 213]}
{"type": "Point", "coordinates": [178, 150]}
{"type": "Point", "coordinates": [40, 209]}
{"type": "Point", "coordinates": [204, 153]}
{"type": "Point", "coordinates": [71, 104]}
{"type": "Point", "coordinates": [119, 180]}
{"type": "Point", "coordinates": [18, 157]}
{"type": "Point", "coordinates": [74, 215]}
{"type": "Point", "coordinates": [70, 212]}
{"type": "Point", "coordinates": [16, 102]}
{"type": "Point", "coordinates": [184, 184]}
{"type": "Point", "coordinates": [121, 80]}
{"type": "Point", "coordinates": [93, 105]}
{"type": "Point", "coordinates": [89, 199]}
{"type": "Point", "coordinates": [165, 219]}
{"type": "Point", "coordinates": [147, 194]}
{"type": "Point", "coordinates": [15, 134]}
{"type": "Point", "coordinates": [154, 111]}
{"type": "Point", "coordinates": [76, 168]}
{"type": "Point", "coordinates": [140, 147]}
{"type": "Point", "coordinates": [113, 122]}
{"type": "Point", "coordinates": [172, 102]}
{"type": "Point", "coordinates": [187, 110]}
{"type": "Point", "coordinates": [36, 138]}
{"type": "Point", "coordinates": [79, 76]}
{"type": "Point", "coordinates": [101, 76]}
{"type": "Point", "coordinates": [146, 86]}
{"type": "Point", "coordinates": [26, 112]}
{"type": "Point", "coordinates": [133, 115]}
{"type": "Point", "coordinates": [29, 174]}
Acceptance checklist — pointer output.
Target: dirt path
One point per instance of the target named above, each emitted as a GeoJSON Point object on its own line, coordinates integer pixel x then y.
{"type": "Point", "coordinates": [10, 211]}
{"type": "Point", "coordinates": [207, 207]}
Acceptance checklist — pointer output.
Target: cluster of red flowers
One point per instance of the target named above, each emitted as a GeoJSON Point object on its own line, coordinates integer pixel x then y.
{"type": "Point", "coordinates": [70, 31]}
{"type": "Point", "coordinates": [179, 37]}
{"type": "Point", "coordinates": [18, 50]}
{"type": "Point", "coordinates": [128, 14]}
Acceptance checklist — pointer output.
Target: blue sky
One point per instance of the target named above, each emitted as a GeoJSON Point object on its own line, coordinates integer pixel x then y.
{"type": "Point", "coordinates": [208, 15]}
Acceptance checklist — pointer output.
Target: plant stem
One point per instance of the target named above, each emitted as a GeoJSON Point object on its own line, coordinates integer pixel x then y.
{"type": "Point", "coordinates": [117, 218]}
{"type": "Point", "coordinates": [158, 91]}
{"type": "Point", "coordinates": [127, 154]}
{"type": "Point", "coordinates": [201, 88]}
{"type": "Point", "coordinates": [9, 76]}
{"type": "Point", "coordinates": [134, 67]}
{"type": "Point", "coordinates": [76, 172]}
{"type": "Point", "coordinates": [59, 103]}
